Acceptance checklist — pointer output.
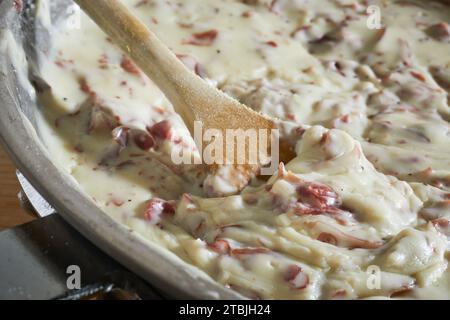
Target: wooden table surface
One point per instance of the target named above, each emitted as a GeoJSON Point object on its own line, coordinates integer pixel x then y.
{"type": "Point", "coordinates": [11, 214]}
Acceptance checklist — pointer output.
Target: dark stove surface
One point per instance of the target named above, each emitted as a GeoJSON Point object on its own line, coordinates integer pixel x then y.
{"type": "Point", "coordinates": [48, 259]}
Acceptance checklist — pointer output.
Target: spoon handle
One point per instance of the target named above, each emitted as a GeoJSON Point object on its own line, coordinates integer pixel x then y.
{"type": "Point", "coordinates": [193, 99]}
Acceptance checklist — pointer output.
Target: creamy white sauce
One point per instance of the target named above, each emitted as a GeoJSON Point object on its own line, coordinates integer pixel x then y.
{"type": "Point", "coordinates": [368, 188]}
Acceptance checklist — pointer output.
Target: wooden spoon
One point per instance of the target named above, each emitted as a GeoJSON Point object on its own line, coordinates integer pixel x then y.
{"type": "Point", "coordinates": [193, 99]}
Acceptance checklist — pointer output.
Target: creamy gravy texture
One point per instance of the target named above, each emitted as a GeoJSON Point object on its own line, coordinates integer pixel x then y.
{"type": "Point", "coordinates": [362, 211]}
